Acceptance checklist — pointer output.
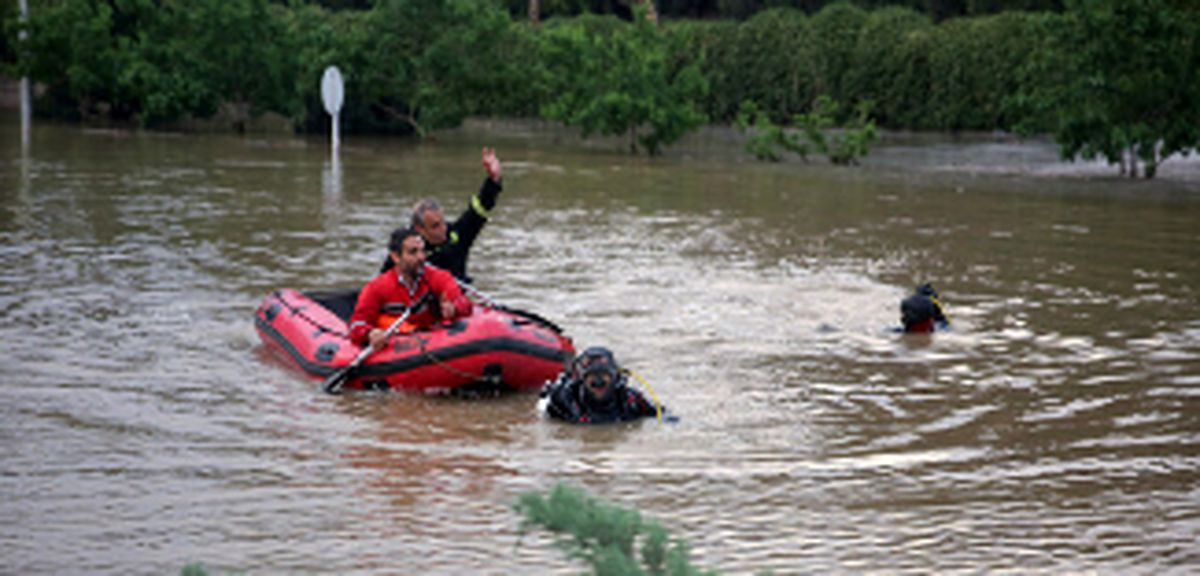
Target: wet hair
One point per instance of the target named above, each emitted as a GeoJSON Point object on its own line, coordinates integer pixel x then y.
{"type": "Point", "coordinates": [420, 208]}
{"type": "Point", "coordinates": [399, 235]}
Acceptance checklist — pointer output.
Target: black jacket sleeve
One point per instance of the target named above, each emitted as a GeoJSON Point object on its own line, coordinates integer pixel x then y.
{"type": "Point", "coordinates": [471, 222]}
{"type": "Point", "coordinates": [639, 406]}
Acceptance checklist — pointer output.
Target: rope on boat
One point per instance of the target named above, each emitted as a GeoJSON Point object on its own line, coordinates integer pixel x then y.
{"type": "Point", "coordinates": [482, 378]}
{"type": "Point", "coordinates": [299, 311]}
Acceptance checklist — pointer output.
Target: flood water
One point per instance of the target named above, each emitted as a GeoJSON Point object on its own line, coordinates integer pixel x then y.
{"type": "Point", "coordinates": [1055, 429]}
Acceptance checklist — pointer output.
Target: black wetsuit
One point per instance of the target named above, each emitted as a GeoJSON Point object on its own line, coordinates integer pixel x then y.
{"type": "Point", "coordinates": [564, 404]}
{"type": "Point", "coordinates": [922, 313]}
{"type": "Point", "coordinates": [460, 235]}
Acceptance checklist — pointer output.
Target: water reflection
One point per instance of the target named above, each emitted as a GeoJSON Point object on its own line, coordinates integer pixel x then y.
{"type": "Point", "coordinates": [331, 180]}
{"type": "Point", "coordinates": [424, 450]}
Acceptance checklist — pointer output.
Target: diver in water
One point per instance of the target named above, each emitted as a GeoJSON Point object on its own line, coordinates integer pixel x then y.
{"type": "Point", "coordinates": [922, 312]}
{"type": "Point", "coordinates": [594, 390]}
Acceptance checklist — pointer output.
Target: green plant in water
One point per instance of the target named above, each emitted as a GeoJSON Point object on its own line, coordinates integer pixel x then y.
{"type": "Point", "coordinates": [767, 137]}
{"type": "Point", "coordinates": [606, 536]}
{"type": "Point", "coordinates": [193, 569]}
{"type": "Point", "coordinates": [845, 145]}
{"type": "Point", "coordinates": [842, 145]}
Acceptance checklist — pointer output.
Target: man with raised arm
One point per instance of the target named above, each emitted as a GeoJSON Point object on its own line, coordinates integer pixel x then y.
{"type": "Point", "coordinates": [449, 245]}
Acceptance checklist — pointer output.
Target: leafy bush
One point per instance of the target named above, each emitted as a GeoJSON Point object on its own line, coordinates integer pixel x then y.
{"type": "Point", "coordinates": [886, 69]}
{"type": "Point", "coordinates": [156, 63]}
{"type": "Point", "coordinates": [612, 540]}
{"type": "Point", "coordinates": [835, 32]}
{"type": "Point", "coordinates": [1122, 82]}
{"type": "Point", "coordinates": [765, 138]}
{"type": "Point", "coordinates": [843, 145]}
{"type": "Point", "coordinates": [713, 47]}
{"type": "Point", "coordinates": [427, 62]}
{"type": "Point", "coordinates": [975, 67]}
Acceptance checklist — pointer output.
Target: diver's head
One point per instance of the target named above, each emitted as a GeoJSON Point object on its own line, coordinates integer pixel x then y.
{"type": "Point", "coordinates": [599, 377]}
{"type": "Point", "coordinates": [926, 289]}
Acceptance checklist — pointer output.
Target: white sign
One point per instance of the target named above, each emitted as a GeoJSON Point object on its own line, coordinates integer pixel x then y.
{"type": "Point", "coordinates": [332, 90]}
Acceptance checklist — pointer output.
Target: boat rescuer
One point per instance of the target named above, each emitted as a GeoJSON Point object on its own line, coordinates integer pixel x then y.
{"type": "Point", "coordinates": [449, 245]}
{"type": "Point", "coordinates": [922, 311]}
{"type": "Point", "coordinates": [594, 390]}
{"type": "Point", "coordinates": [430, 292]}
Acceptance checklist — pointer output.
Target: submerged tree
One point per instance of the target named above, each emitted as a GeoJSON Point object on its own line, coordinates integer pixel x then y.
{"type": "Point", "coordinates": [610, 539]}
{"type": "Point", "coordinates": [843, 145]}
{"type": "Point", "coordinates": [1127, 83]}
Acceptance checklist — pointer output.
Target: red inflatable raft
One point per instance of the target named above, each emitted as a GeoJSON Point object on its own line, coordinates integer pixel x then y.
{"type": "Point", "coordinates": [495, 348]}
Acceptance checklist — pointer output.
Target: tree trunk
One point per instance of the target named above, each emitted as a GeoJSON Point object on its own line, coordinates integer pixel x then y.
{"type": "Point", "coordinates": [535, 12]}
{"type": "Point", "coordinates": [1151, 167]}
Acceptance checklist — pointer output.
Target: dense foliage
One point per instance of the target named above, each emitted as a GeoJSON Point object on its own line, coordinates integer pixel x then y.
{"type": "Point", "coordinates": [613, 78]}
{"type": "Point", "coordinates": [742, 9]}
{"type": "Point", "coordinates": [155, 62]}
{"type": "Point", "coordinates": [817, 132]}
{"type": "Point", "coordinates": [1124, 82]}
{"type": "Point", "coordinates": [1109, 78]}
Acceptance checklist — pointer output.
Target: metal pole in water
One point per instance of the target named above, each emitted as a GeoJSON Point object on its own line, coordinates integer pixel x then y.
{"type": "Point", "coordinates": [26, 105]}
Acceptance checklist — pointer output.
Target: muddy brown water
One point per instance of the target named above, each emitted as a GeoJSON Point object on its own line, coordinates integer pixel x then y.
{"type": "Point", "coordinates": [1055, 429]}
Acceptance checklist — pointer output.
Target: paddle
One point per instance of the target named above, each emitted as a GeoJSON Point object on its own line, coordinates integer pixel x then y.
{"type": "Point", "coordinates": [478, 294]}
{"type": "Point", "coordinates": [333, 384]}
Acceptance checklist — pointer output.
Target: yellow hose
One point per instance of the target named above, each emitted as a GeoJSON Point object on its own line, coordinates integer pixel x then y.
{"type": "Point", "coordinates": [940, 308]}
{"type": "Point", "coordinates": [657, 404]}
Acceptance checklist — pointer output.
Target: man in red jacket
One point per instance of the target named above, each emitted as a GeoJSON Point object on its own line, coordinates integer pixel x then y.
{"type": "Point", "coordinates": [431, 292]}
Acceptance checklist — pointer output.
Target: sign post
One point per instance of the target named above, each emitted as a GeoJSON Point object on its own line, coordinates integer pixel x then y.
{"type": "Point", "coordinates": [332, 93]}
{"type": "Point", "coordinates": [26, 105]}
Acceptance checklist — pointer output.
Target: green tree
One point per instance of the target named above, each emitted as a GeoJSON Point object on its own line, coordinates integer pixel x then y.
{"type": "Point", "coordinates": [430, 63]}
{"type": "Point", "coordinates": [835, 34]}
{"type": "Point", "coordinates": [775, 62]}
{"type": "Point", "coordinates": [713, 46]}
{"type": "Point", "coordinates": [975, 67]}
{"type": "Point", "coordinates": [618, 78]}
{"type": "Point", "coordinates": [323, 38]}
{"type": "Point", "coordinates": [885, 69]}
{"type": "Point", "coordinates": [156, 62]}
{"type": "Point", "coordinates": [8, 40]}
{"type": "Point", "coordinates": [1123, 82]}
{"type": "Point", "coordinates": [72, 53]}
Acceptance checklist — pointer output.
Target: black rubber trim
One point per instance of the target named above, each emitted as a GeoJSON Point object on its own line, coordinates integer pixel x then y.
{"type": "Point", "coordinates": [529, 316]}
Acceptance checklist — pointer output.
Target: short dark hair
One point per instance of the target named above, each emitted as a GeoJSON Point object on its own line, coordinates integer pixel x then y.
{"type": "Point", "coordinates": [399, 235]}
